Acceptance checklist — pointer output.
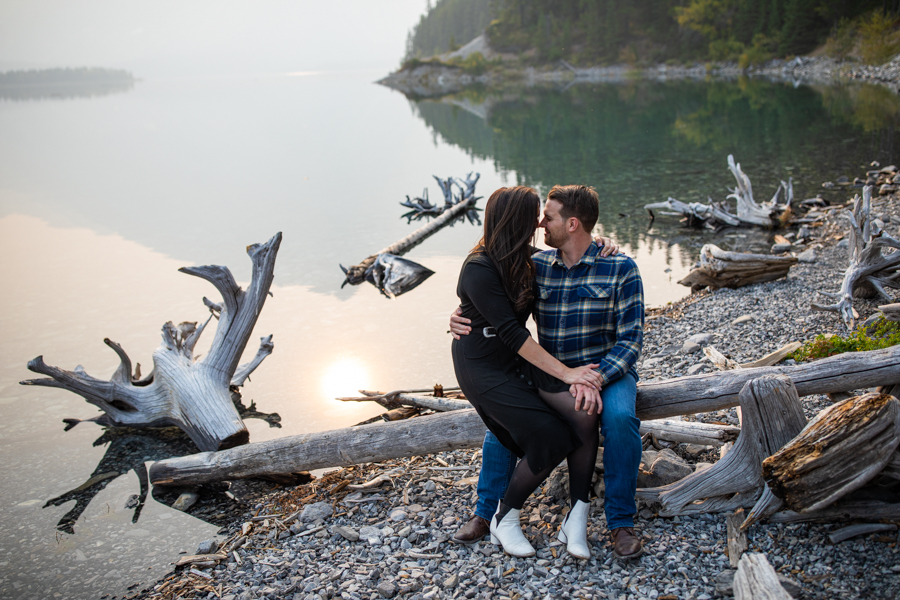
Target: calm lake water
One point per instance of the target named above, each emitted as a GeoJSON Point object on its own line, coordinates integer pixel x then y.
{"type": "Point", "coordinates": [103, 197]}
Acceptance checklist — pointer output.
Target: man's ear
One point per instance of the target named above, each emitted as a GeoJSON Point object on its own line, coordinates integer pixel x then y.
{"type": "Point", "coordinates": [572, 224]}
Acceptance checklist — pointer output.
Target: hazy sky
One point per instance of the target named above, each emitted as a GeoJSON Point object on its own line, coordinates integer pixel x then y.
{"type": "Point", "coordinates": [162, 38]}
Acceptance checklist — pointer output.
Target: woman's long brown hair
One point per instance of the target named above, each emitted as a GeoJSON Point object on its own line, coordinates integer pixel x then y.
{"type": "Point", "coordinates": [510, 220]}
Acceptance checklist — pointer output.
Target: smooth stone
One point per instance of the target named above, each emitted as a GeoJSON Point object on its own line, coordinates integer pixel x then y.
{"type": "Point", "coordinates": [743, 319]}
{"type": "Point", "coordinates": [704, 339]}
{"type": "Point", "coordinates": [185, 501]}
{"type": "Point", "coordinates": [348, 533]}
{"type": "Point", "coordinates": [780, 248]}
{"type": "Point", "coordinates": [693, 370]}
{"type": "Point", "coordinates": [690, 347]}
{"type": "Point", "coordinates": [316, 511]}
{"type": "Point", "coordinates": [807, 256]}
{"type": "Point", "coordinates": [398, 515]}
{"type": "Point", "coordinates": [208, 547]}
{"type": "Point", "coordinates": [387, 589]}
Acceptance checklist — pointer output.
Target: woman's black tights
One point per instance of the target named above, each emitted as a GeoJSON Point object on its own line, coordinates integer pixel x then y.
{"type": "Point", "coordinates": [580, 461]}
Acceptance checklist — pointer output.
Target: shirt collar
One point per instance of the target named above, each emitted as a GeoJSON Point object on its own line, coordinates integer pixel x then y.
{"type": "Point", "coordinates": [589, 257]}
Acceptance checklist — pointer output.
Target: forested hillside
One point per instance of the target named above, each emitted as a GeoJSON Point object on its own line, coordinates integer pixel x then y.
{"type": "Point", "coordinates": [448, 25]}
{"type": "Point", "coordinates": [651, 31]}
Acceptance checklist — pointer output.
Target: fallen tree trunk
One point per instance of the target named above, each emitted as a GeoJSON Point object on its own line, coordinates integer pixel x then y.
{"type": "Point", "coordinates": [719, 269]}
{"type": "Point", "coordinates": [463, 428]}
{"type": "Point", "coordinates": [710, 215]}
{"type": "Point", "coordinates": [191, 394]}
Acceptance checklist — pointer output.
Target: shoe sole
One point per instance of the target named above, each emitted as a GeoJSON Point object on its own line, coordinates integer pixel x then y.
{"type": "Point", "coordinates": [628, 556]}
{"type": "Point", "coordinates": [467, 542]}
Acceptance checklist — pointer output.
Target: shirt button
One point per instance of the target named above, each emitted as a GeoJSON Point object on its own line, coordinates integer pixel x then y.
{"type": "Point", "coordinates": [521, 376]}
{"type": "Point", "coordinates": [529, 382]}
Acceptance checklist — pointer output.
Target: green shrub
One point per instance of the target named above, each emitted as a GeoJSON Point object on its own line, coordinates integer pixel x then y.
{"type": "Point", "coordinates": [878, 39]}
{"type": "Point", "coordinates": [729, 49]}
{"type": "Point", "coordinates": [474, 64]}
{"type": "Point", "coordinates": [840, 43]}
{"type": "Point", "coordinates": [759, 51]}
{"type": "Point", "coordinates": [881, 334]}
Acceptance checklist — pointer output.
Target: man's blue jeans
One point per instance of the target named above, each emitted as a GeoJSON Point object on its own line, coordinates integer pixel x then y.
{"type": "Point", "coordinates": [621, 457]}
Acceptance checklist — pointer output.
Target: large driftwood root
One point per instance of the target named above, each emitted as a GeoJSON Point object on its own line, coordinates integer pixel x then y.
{"type": "Point", "coordinates": [719, 269]}
{"type": "Point", "coordinates": [463, 428]}
{"type": "Point", "coordinates": [870, 271]}
{"type": "Point", "coordinates": [181, 391]}
{"type": "Point", "coordinates": [772, 415]}
{"type": "Point", "coordinates": [841, 450]}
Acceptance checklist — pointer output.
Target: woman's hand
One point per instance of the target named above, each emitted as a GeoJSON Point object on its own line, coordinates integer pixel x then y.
{"type": "Point", "coordinates": [587, 398]}
{"type": "Point", "coordinates": [459, 325]}
{"type": "Point", "coordinates": [607, 246]}
{"type": "Point", "coordinates": [585, 375]}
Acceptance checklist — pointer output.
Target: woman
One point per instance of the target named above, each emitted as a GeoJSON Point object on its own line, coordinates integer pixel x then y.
{"type": "Point", "coordinates": [495, 369]}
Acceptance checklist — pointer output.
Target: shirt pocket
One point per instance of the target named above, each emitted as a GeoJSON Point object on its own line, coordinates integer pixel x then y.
{"type": "Point", "coordinates": [595, 304]}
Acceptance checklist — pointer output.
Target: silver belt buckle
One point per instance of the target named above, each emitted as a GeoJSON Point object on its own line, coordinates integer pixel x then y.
{"type": "Point", "coordinates": [487, 332]}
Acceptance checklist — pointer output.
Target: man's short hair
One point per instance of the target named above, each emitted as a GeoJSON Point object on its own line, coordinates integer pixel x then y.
{"type": "Point", "coordinates": [579, 201]}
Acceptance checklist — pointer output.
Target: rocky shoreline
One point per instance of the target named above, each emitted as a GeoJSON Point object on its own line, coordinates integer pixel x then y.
{"type": "Point", "coordinates": [382, 530]}
{"type": "Point", "coordinates": [435, 79]}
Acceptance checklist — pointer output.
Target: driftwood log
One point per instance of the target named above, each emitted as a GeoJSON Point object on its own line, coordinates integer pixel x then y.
{"type": "Point", "coordinates": [772, 416]}
{"type": "Point", "coordinates": [756, 580]}
{"type": "Point", "coordinates": [766, 214]}
{"type": "Point", "coordinates": [870, 271]}
{"type": "Point", "coordinates": [191, 394]}
{"type": "Point", "coordinates": [720, 268]}
{"type": "Point", "coordinates": [696, 214]}
{"type": "Point", "coordinates": [715, 215]}
{"type": "Point", "coordinates": [463, 428]}
{"type": "Point", "coordinates": [842, 449]}
{"type": "Point", "coordinates": [682, 432]}
{"type": "Point", "coordinates": [358, 273]}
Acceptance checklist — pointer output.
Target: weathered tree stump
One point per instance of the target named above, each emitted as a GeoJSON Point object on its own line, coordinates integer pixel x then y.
{"type": "Point", "coordinates": [719, 268]}
{"type": "Point", "coordinates": [869, 271]}
{"type": "Point", "coordinates": [772, 415]}
{"type": "Point", "coordinates": [191, 394]}
{"type": "Point", "coordinates": [841, 450]}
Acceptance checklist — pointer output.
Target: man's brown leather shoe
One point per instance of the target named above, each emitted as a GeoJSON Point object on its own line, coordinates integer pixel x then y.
{"type": "Point", "coordinates": [625, 543]}
{"type": "Point", "coordinates": [472, 531]}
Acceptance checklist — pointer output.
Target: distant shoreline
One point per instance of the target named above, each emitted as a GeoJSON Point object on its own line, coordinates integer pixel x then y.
{"type": "Point", "coordinates": [436, 77]}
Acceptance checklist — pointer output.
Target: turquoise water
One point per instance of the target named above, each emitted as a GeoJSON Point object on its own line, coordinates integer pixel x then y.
{"type": "Point", "coordinates": [103, 197]}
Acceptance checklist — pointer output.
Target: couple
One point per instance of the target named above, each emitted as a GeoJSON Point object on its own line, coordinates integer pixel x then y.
{"type": "Point", "coordinates": [542, 402]}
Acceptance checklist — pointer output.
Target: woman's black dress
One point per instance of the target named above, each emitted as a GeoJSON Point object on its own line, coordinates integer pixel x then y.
{"type": "Point", "coordinates": [500, 384]}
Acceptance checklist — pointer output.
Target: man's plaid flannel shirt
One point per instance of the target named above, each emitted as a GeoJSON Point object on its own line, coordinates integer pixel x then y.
{"type": "Point", "coordinates": [591, 313]}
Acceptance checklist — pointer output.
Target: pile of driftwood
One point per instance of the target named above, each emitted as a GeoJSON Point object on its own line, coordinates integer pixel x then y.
{"type": "Point", "coordinates": [715, 215]}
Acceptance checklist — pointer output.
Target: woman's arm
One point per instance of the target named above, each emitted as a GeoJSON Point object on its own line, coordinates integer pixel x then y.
{"type": "Point", "coordinates": [543, 360]}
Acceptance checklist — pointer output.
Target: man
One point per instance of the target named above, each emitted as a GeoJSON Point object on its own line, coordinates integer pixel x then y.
{"type": "Point", "coordinates": [590, 309]}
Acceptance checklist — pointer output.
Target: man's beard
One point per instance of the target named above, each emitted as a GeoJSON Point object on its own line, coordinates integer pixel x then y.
{"type": "Point", "coordinates": [552, 240]}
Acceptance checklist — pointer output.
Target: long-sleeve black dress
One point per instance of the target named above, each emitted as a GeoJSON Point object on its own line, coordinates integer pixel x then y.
{"type": "Point", "coordinates": [500, 384]}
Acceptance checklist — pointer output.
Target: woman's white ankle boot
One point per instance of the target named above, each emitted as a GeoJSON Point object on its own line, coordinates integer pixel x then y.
{"type": "Point", "coordinates": [508, 533]}
{"type": "Point", "coordinates": [573, 531]}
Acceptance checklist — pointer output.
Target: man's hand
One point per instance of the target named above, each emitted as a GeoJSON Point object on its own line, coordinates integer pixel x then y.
{"type": "Point", "coordinates": [607, 246]}
{"type": "Point", "coordinates": [459, 325]}
{"type": "Point", "coordinates": [587, 398]}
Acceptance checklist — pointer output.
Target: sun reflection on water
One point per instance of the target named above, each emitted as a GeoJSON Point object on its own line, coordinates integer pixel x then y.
{"type": "Point", "coordinates": [345, 377]}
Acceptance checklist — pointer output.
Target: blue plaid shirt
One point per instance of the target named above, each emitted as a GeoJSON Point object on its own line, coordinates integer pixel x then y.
{"type": "Point", "coordinates": [591, 313]}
